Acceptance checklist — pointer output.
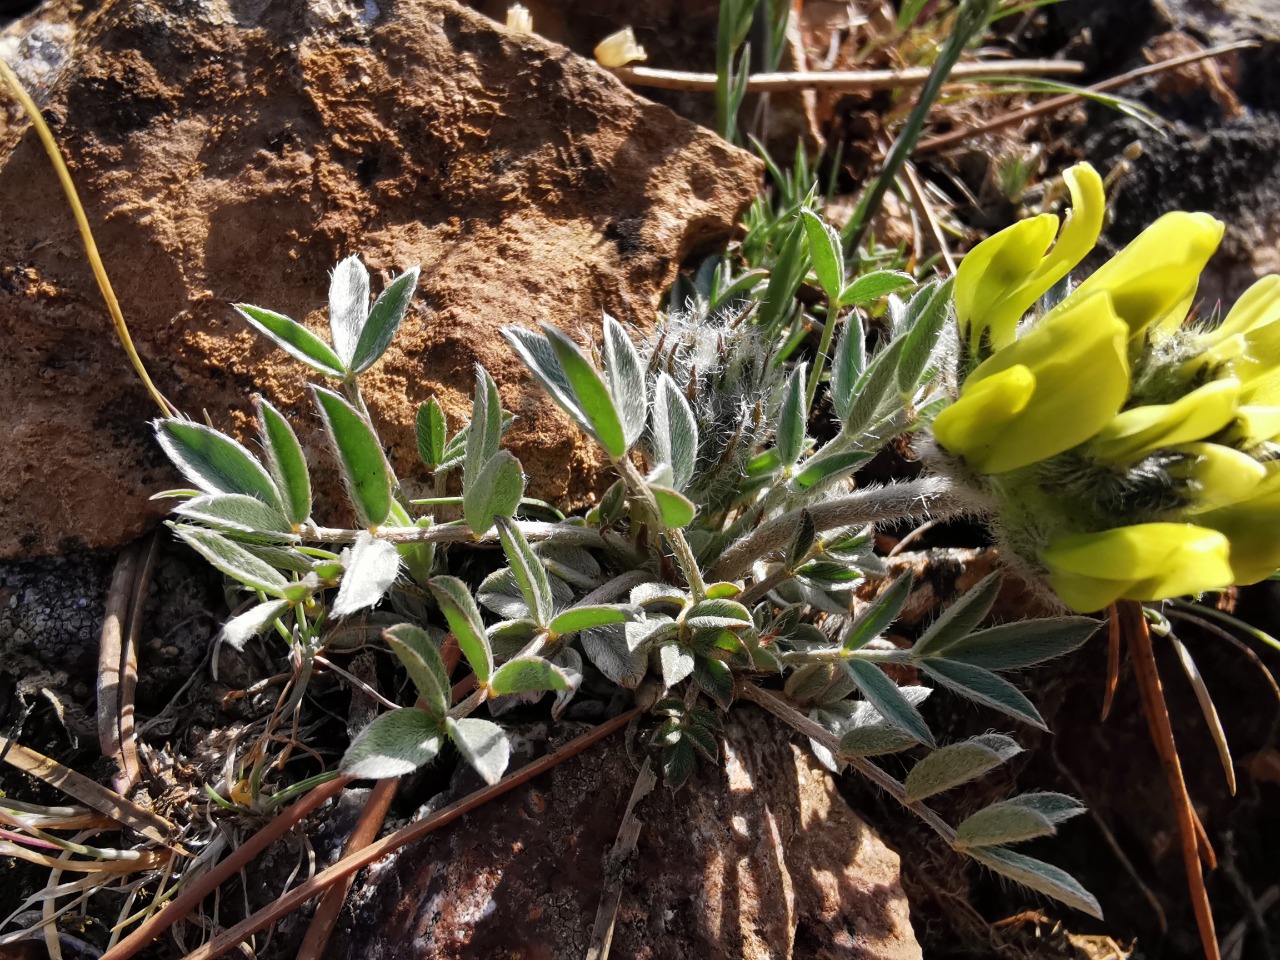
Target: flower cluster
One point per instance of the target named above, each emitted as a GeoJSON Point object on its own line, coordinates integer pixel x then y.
{"type": "Point", "coordinates": [1133, 450]}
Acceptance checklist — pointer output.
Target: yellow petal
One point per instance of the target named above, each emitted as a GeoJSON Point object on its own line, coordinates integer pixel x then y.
{"type": "Point", "coordinates": [1148, 561]}
{"type": "Point", "coordinates": [970, 425]}
{"type": "Point", "coordinates": [1219, 475]}
{"type": "Point", "coordinates": [1004, 275]}
{"type": "Point", "coordinates": [1253, 528]}
{"type": "Point", "coordinates": [1153, 280]}
{"type": "Point", "coordinates": [1067, 406]}
{"type": "Point", "coordinates": [1140, 431]}
{"type": "Point", "coordinates": [1254, 425]}
{"type": "Point", "coordinates": [1258, 307]}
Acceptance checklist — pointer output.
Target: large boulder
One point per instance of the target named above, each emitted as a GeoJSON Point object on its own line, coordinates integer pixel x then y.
{"type": "Point", "coordinates": [235, 150]}
{"type": "Point", "coordinates": [756, 858]}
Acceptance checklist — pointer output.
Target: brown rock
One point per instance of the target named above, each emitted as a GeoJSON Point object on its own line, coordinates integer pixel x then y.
{"type": "Point", "coordinates": [759, 860]}
{"type": "Point", "coordinates": [232, 150]}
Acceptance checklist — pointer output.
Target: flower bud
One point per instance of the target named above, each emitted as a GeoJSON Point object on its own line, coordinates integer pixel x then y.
{"type": "Point", "coordinates": [619, 49]}
{"type": "Point", "coordinates": [519, 20]}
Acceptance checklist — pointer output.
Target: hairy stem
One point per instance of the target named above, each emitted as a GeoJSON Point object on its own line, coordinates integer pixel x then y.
{"type": "Point", "coordinates": [928, 496]}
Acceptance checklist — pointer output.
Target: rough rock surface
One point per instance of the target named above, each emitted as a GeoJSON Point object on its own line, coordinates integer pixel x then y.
{"type": "Point", "coordinates": [235, 150]}
{"type": "Point", "coordinates": [760, 860]}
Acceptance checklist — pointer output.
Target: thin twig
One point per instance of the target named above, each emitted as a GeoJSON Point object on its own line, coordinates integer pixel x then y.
{"type": "Point", "coordinates": [844, 80]}
{"type": "Point", "coordinates": [623, 849]}
{"type": "Point", "coordinates": [1143, 658]}
{"type": "Point", "coordinates": [1057, 103]}
{"type": "Point", "coordinates": [1114, 637]}
{"type": "Point", "coordinates": [230, 939]}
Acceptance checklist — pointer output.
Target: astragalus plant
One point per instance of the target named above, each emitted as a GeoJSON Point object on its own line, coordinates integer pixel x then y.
{"type": "Point", "coordinates": [1116, 453]}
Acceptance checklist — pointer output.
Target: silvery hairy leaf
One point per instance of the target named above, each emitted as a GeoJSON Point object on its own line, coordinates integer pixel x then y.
{"type": "Point", "coordinates": [674, 431]}
{"type": "Point", "coordinates": [294, 339]}
{"type": "Point", "coordinates": [1019, 818]}
{"type": "Point", "coordinates": [1040, 876]}
{"type": "Point", "coordinates": [214, 462]}
{"type": "Point", "coordinates": [236, 512]}
{"type": "Point", "coordinates": [239, 630]}
{"type": "Point", "coordinates": [483, 744]}
{"type": "Point", "coordinates": [421, 658]}
{"type": "Point", "coordinates": [238, 563]}
{"type": "Point", "coordinates": [371, 569]}
{"type": "Point", "coordinates": [792, 417]}
{"type": "Point", "coordinates": [383, 320]}
{"type": "Point", "coordinates": [493, 493]}
{"type": "Point", "coordinates": [431, 432]}
{"type": "Point", "coordinates": [464, 621]}
{"type": "Point", "coordinates": [484, 432]}
{"type": "Point", "coordinates": [958, 763]}
{"type": "Point", "coordinates": [361, 462]}
{"type": "Point", "coordinates": [960, 619]}
{"type": "Point", "coordinates": [827, 256]}
{"type": "Point", "coordinates": [286, 461]}
{"type": "Point", "coordinates": [394, 744]}
{"type": "Point", "coordinates": [927, 311]}
{"type": "Point", "coordinates": [624, 374]}
{"type": "Point", "coordinates": [888, 699]}
{"type": "Point", "coordinates": [348, 307]}
{"type": "Point", "coordinates": [1011, 646]}
{"type": "Point", "coordinates": [984, 687]}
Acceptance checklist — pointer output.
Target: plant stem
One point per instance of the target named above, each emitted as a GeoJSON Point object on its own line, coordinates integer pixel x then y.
{"type": "Point", "coordinates": [820, 361]}
{"type": "Point", "coordinates": [679, 545]}
{"type": "Point", "coordinates": [793, 718]}
{"type": "Point", "coordinates": [928, 496]}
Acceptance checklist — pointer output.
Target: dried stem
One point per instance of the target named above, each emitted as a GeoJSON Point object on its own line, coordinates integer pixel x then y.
{"type": "Point", "coordinates": [230, 939]}
{"type": "Point", "coordinates": [130, 768]}
{"type": "Point", "coordinates": [1057, 103]}
{"type": "Point", "coordinates": [842, 79]}
{"type": "Point", "coordinates": [110, 644]}
{"type": "Point", "coordinates": [1142, 656]}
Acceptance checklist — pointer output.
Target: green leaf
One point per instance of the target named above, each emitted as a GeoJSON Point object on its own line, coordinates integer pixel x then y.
{"type": "Point", "coordinates": [802, 542]}
{"type": "Point", "coordinates": [286, 461]}
{"type": "Point", "coordinates": [792, 416]}
{"type": "Point", "coordinates": [718, 614]}
{"type": "Point", "coordinates": [482, 744]}
{"type": "Point", "coordinates": [847, 365]}
{"type": "Point", "coordinates": [624, 374]}
{"type": "Point", "coordinates": [929, 310]}
{"type": "Point", "coordinates": [239, 630]}
{"type": "Point", "coordinates": [830, 575]}
{"type": "Point", "coordinates": [984, 687]}
{"type": "Point", "coordinates": [527, 675]}
{"type": "Point", "coordinates": [873, 389]}
{"type": "Point", "coordinates": [364, 469]}
{"type": "Point", "coordinates": [875, 619]}
{"type": "Point", "coordinates": [294, 339]}
{"type": "Point", "coordinates": [1011, 646]}
{"type": "Point", "coordinates": [348, 307]}
{"type": "Point", "coordinates": [528, 571]}
{"type": "Point", "coordinates": [675, 431]}
{"type": "Point", "coordinates": [676, 509]}
{"type": "Point", "coordinates": [587, 618]}
{"type": "Point", "coordinates": [591, 394]}
{"type": "Point", "coordinates": [394, 744]}
{"type": "Point", "coordinates": [828, 466]}
{"type": "Point", "coordinates": [958, 763]}
{"type": "Point", "coordinates": [960, 619]}
{"type": "Point", "coordinates": [235, 512]}
{"type": "Point", "coordinates": [888, 699]}
{"type": "Point", "coordinates": [214, 462]}
{"type": "Point", "coordinates": [371, 569]}
{"type": "Point", "coordinates": [460, 610]}
{"type": "Point", "coordinates": [1018, 818]}
{"type": "Point", "coordinates": [678, 762]}
{"type": "Point", "coordinates": [716, 680]}
{"type": "Point", "coordinates": [494, 492]}
{"type": "Point", "coordinates": [677, 663]}
{"type": "Point", "coordinates": [431, 432]}
{"type": "Point", "coordinates": [421, 658]}
{"type": "Point", "coordinates": [827, 257]}
{"type": "Point", "coordinates": [484, 432]}
{"type": "Point", "coordinates": [1040, 876]}
{"type": "Point", "coordinates": [607, 648]}
{"type": "Point", "coordinates": [874, 286]}
{"type": "Point", "coordinates": [234, 560]}
{"type": "Point", "coordinates": [611, 504]}
{"type": "Point", "coordinates": [384, 320]}
{"type": "Point", "coordinates": [537, 354]}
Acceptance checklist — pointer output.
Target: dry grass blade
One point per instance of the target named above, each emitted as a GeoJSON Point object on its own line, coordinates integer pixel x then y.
{"type": "Point", "coordinates": [623, 848]}
{"type": "Point", "coordinates": [191, 897]}
{"type": "Point", "coordinates": [130, 767]}
{"type": "Point", "coordinates": [86, 235]}
{"type": "Point", "coordinates": [1142, 656]}
{"type": "Point", "coordinates": [230, 939]}
{"type": "Point", "coordinates": [110, 644]}
{"type": "Point", "coordinates": [1208, 709]}
{"type": "Point", "coordinates": [1066, 100]}
{"type": "Point", "coordinates": [91, 794]}
{"type": "Point", "coordinates": [839, 79]}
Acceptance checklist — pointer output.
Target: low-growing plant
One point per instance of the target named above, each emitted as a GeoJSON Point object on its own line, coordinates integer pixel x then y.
{"type": "Point", "coordinates": [719, 567]}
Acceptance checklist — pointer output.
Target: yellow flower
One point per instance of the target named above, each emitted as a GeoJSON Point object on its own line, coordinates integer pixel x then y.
{"type": "Point", "coordinates": [1148, 561]}
{"type": "Point", "coordinates": [1004, 275]}
{"type": "Point", "coordinates": [1049, 390]}
{"type": "Point", "coordinates": [1247, 344]}
{"type": "Point", "coordinates": [1253, 528]}
{"type": "Point", "coordinates": [619, 49]}
{"type": "Point", "coordinates": [1142, 430]}
{"type": "Point", "coordinates": [1153, 280]}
